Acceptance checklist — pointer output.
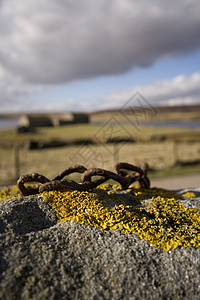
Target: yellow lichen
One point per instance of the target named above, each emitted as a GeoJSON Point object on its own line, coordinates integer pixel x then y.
{"type": "Point", "coordinates": [163, 221]}
{"type": "Point", "coordinates": [165, 224]}
{"type": "Point", "coordinates": [8, 193]}
{"type": "Point", "coordinates": [189, 195]}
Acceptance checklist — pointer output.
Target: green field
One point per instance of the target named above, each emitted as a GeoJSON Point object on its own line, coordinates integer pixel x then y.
{"type": "Point", "coordinates": [99, 133]}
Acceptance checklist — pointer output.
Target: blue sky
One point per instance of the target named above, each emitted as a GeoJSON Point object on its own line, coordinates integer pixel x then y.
{"type": "Point", "coordinates": [87, 55]}
{"type": "Point", "coordinates": [186, 64]}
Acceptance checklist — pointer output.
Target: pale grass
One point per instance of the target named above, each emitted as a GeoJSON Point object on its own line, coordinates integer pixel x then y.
{"type": "Point", "coordinates": [50, 162]}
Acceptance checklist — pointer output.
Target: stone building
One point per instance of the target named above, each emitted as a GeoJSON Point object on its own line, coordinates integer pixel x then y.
{"type": "Point", "coordinates": [45, 120]}
{"type": "Point", "coordinates": [35, 120]}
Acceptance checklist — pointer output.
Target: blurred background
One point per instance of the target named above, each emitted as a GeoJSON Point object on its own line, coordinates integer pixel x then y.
{"type": "Point", "coordinates": [95, 83]}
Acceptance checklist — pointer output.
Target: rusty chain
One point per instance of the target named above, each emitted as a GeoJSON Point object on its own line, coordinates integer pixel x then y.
{"type": "Point", "coordinates": [58, 183]}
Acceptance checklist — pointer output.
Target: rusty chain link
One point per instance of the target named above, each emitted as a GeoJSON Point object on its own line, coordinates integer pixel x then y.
{"type": "Point", "coordinates": [58, 183]}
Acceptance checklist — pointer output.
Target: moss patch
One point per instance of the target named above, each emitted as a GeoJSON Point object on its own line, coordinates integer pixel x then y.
{"type": "Point", "coordinates": [155, 215]}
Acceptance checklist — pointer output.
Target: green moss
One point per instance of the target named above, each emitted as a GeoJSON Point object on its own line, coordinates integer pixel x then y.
{"type": "Point", "coordinates": [163, 220]}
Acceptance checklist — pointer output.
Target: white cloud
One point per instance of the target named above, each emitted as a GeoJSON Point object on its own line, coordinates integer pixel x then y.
{"type": "Point", "coordinates": [179, 90]}
{"type": "Point", "coordinates": [50, 41]}
{"type": "Point", "coordinates": [68, 105]}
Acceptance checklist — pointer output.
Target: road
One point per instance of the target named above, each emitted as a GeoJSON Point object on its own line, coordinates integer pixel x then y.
{"type": "Point", "coordinates": [177, 182]}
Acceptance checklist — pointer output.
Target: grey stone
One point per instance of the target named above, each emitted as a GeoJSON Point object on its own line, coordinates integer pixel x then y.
{"type": "Point", "coordinates": [43, 259]}
{"type": "Point", "coordinates": [192, 202]}
{"type": "Point", "coordinates": [23, 215]}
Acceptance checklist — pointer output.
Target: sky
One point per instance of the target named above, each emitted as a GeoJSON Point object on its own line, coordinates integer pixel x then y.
{"type": "Point", "coordinates": [85, 55]}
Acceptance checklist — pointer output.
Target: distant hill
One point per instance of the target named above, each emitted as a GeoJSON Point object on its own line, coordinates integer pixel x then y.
{"type": "Point", "coordinates": [191, 112]}
{"type": "Point", "coordinates": [150, 113]}
{"type": "Point", "coordinates": [175, 108]}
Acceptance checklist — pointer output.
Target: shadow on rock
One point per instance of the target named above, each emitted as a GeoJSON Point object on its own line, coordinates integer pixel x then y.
{"type": "Point", "coordinates": [28, 214]}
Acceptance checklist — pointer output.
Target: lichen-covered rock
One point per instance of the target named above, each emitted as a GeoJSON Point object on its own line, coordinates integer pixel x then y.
{"type": "Point", "coordinates": [43, 259]}
{"type": "Point", "coordinates": [190, 197]}
{"type": "Point", "coordinates": [155, 215]}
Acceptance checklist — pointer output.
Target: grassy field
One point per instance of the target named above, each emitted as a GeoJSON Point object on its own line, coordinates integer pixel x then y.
{"type": "Point", "coordinates": [98, 133]}
{"type": "Point", "coordinates": [160, 147]}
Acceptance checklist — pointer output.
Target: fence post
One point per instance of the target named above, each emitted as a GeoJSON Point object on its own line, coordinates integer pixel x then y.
{"type": "Point", "coordinates": [16, 162]}
{"type": "Point", "coordinates": [116, 153]}
{"type": "Point", "coordinates": [175, 151]}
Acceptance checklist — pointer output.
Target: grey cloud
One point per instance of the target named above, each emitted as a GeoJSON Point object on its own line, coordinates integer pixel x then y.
{"type": "Point", "coordinates": [50, 41]}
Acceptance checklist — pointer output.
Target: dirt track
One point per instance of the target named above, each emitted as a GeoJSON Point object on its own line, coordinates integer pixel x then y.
{"type": "Point", "coordinates": [178, 182]}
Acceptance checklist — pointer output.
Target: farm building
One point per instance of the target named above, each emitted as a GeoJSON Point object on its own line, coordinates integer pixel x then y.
{"type": "Point", "coordinates": [81, 118]}
{"type": "Point", "coordinates": [35, 120]}
{"type": "Point", "coordinates": [62, 119]}
{"type": "Point", "coordinates": [70, 118]}
{"type": "Point", "coordinates": [39, 120]}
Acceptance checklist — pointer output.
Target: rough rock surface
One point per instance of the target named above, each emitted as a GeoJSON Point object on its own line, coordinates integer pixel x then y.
{"type": "Point", "coordinates": [40, 259]}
